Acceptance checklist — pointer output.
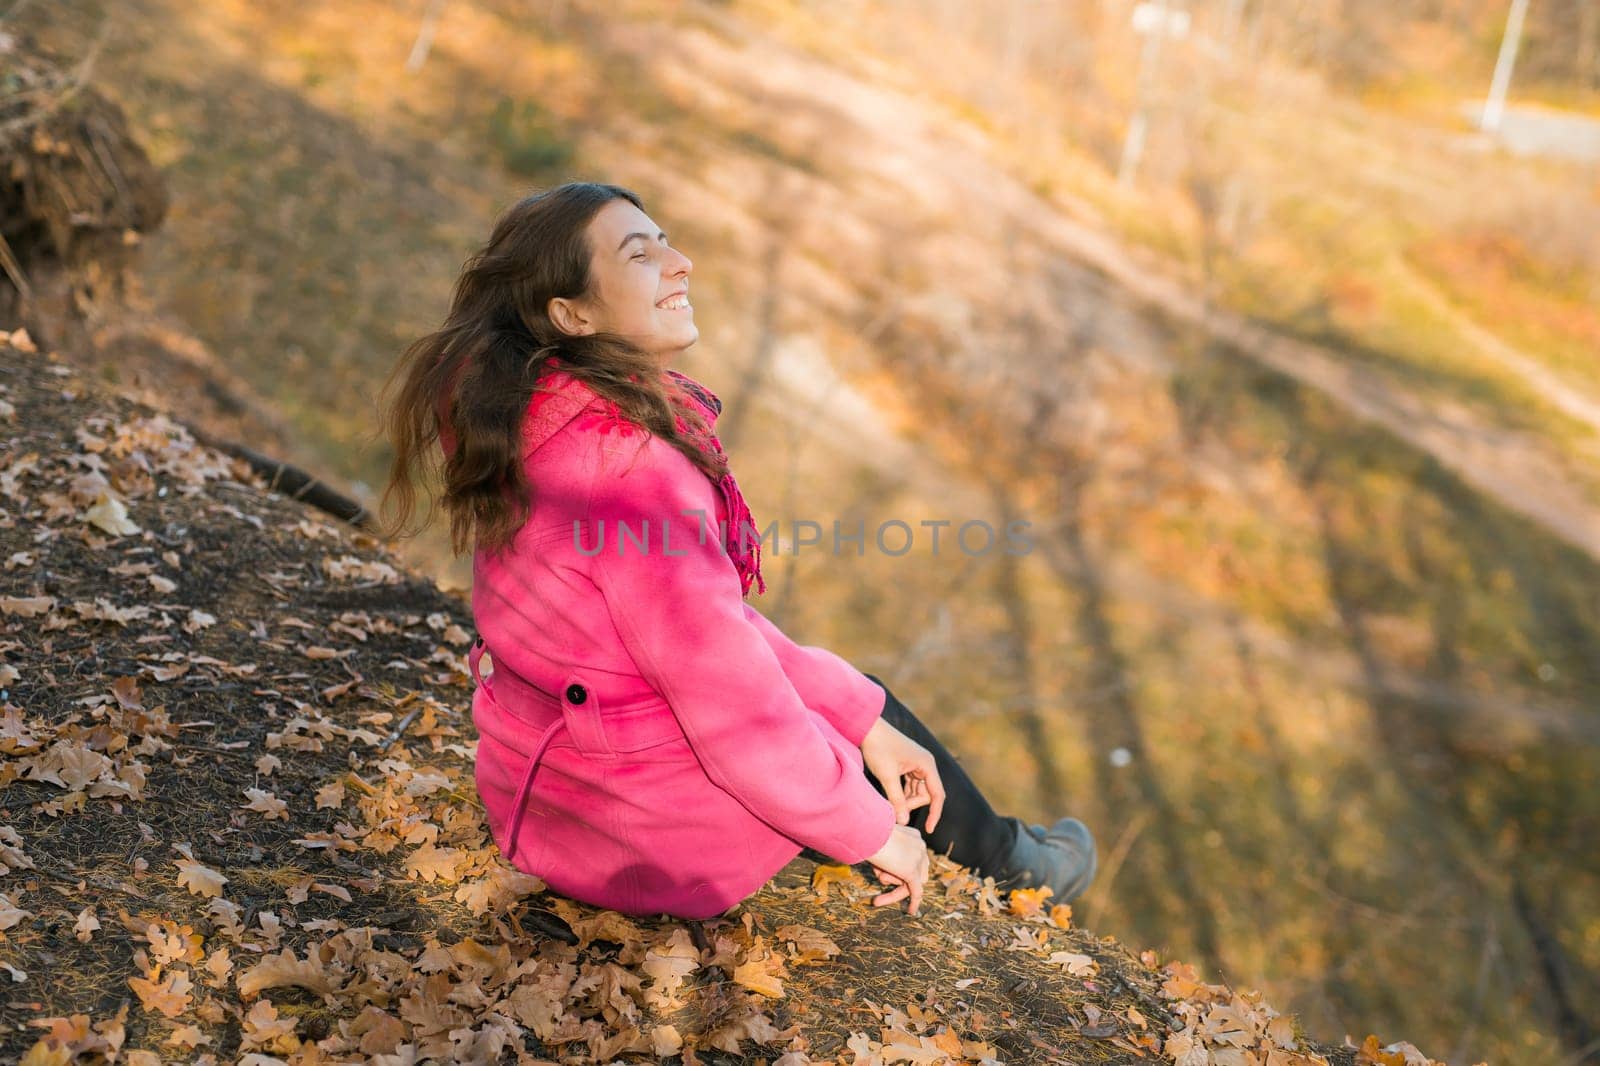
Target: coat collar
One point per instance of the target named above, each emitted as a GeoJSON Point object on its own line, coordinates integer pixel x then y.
{"type": "Point", "coordinates": [560, 398]}
{"type": "Point", "coordinates": [557, 400]}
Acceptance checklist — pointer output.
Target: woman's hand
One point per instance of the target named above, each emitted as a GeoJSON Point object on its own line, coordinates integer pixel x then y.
{"type": "Point", "coordinates": [889, 754]}
{"type": "Point", "coordinates": [903, 863]}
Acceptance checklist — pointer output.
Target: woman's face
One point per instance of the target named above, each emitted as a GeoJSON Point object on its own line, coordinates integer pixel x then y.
{"type": "Point", "coordinates": [640, 285]}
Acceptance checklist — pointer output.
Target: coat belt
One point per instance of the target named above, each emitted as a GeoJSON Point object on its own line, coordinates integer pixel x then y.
{"type": "Point", "coordinates": [520, 806]}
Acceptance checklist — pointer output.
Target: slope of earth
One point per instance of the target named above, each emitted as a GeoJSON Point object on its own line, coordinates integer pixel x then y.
{"type": "Point", "coordinates": [240, 825]}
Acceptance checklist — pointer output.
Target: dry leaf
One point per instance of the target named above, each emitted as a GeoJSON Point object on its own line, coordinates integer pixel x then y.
{"type": "Point", "coordinates": [200, 880]}
{"type": "Point", "coordinates": [10, 913]}
{"type": "Point", "coordinates": [1027, 902]}
{"type": "Point", "coordinates": [86, 925]}
{"type": "Point", "coordinates": [110, 514]}
{"type": "Point", "coordinates": [429, 863]}
{"type": "Point", "coordinates": [810, 945]}
{"type": "Point", "coordinates": [823, 876]}
{"type": "Point", "coordinates": [170, 997]}
{"type": "Point", "coordinates": [665, 1041]}
{"type": "Point", "coordinates": [265, 802]}
{"type": "Point", "coordinates": [1077, 965]}
{"type": "Point", "coordinates": [284, 970]}
{"type": "Point", "coordinates": [27, 606]}
{"type": "Point", "coordinates": [760, 970]}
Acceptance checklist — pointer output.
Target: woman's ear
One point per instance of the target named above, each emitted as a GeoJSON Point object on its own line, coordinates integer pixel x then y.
{"type": "Point", "coordinates": [568, 317]}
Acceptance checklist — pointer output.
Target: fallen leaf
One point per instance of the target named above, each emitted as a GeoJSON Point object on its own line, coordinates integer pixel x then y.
{"type": "Point", "coordinates": [810, 945]}
{"type": "Point", "coordinates": [759, 972]}
{"type": "Point", "coordinates": [1077, 965]}
{"type": "Point", "coordinates": [27, 606]}
{"type": "Point", "coordinates": [200, 880]}
{"type": "Point", "coordinates": [1027, 902]}
{"type": "Point", "coordinates": [126, 690]}
{"type": "Point", "coordinates": [823, 876]}
{"type": "Point", "coordinates": [86, 925]}
{"type": "Point", "coordinates": [10, 913]}
{"type": "Point", "coordinates": [282, 971]}
{"type": "Point", "coordinates": [170, 997]}
{"type": "Point", "coordinates": [265, 802]}
{"type": "Point", "coordinates": [110, 514]}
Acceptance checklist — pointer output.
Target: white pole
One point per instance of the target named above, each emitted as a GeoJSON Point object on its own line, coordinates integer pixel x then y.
{"type": "Point", "coordinates": [1133, 142]}
{"type": "Point", "coordinates": [1230, 25]}
{"type": "Point", "coordinates": [1495, 106]}
{"type": "Point", "coordinates": [424, 42]}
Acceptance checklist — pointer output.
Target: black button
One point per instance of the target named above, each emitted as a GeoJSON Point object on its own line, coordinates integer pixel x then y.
{"type": "Point", "coordinates": [577, 693]}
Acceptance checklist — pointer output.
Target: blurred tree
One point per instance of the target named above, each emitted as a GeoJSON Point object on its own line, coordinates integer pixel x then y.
{"type": "Point", "coordinates": [1588, 70]}
{"type": "Point", "coordinates": [528, 138]}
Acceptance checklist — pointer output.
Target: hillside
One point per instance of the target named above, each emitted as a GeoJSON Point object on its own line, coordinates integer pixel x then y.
{"type": "Point", "coordinates": [235, 761]}
{"type": "Point", "coordinates": [1303, 418]}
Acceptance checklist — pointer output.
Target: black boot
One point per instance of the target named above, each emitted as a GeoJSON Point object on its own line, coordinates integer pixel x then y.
{"type": "Point", "coordinates": [1062, 857]}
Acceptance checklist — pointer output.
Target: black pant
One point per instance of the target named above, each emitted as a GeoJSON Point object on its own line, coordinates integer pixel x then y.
{"type": "Point", "coordinates": [969, 831]}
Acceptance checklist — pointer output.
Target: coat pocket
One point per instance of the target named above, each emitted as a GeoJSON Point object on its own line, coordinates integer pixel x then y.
{"type": "Point", "coordinates": [646, 727]}
{"type": "Point", "coordinates": [603, 727]}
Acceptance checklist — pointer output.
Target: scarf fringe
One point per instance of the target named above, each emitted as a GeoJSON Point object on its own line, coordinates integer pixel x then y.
{"type": "Point", "coordinates": [746, 553]}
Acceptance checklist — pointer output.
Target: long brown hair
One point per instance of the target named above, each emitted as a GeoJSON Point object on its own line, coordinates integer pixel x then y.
{"type": "Point", "coordinates": [475, 375]}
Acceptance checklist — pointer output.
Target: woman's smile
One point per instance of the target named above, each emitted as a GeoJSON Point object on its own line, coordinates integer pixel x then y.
{"type": "Point", "coordinates": [678, 301]}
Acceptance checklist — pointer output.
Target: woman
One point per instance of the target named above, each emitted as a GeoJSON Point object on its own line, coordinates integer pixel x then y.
{"type": "Point", "coordinates": [648, 742]}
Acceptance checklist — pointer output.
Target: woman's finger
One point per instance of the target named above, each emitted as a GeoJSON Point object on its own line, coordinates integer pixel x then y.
{"type": "Point", "coordinates": [896, 797]}
{"type": "Point", "coordinates": [935, 799]}
{"type": "Point", "coordinates": [915, 888]}
{"type": "Point", "coordinates": [895, 895]}
{"type": "Point", "coordinates": [916, 793]}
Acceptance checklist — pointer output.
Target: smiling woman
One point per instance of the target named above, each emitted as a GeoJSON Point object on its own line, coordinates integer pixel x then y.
{"type": "Point", "coordinates": [647, 741]}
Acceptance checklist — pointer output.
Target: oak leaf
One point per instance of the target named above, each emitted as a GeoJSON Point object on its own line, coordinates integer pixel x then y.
{"type": "Point", "coordinates": [265, 802]}
{"type": "Point", "coordinates": [86, 925]}
{"type": "Point", "coordinates": [27, 606]}
{"type": "Point", "coordinates": [1077, 965]}
{"type": "Point", "coordinates": [430, 863]}
{"type": "Point", "coordinates": [810, 945]}
{"type": "Point", "coordinates": [10, 913]}
{"type": "Point", "coordinates": [170, 997]}
{"type": "Point", "coordinates": [823, 876]}
{"type": "Point", "coordinates": [760, 970]}
{"type": "Point", "coordinates": [284, 970]}
{"type": "Point", "coordinates": [755, 1026]}
{"type": "Point", "coordinates": [1027, 902]}
{"type": "Point", "coordinates": [109, 513]}
{"type": "Point", "coordinates": [199, 879]}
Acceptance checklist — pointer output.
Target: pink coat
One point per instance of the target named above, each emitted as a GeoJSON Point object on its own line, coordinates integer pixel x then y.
{"type": "Point", "coordinates": [649, 742]}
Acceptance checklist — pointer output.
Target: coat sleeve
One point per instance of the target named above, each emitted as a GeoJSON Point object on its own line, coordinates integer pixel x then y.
{"type": "Point", "coordinates": [676, 601]}
{"type": "Point", "coordinates": [850, 700]}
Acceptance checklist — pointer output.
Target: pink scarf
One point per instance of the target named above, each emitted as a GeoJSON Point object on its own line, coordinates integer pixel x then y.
{"type": "Point", "coordinates": [741, 538]}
